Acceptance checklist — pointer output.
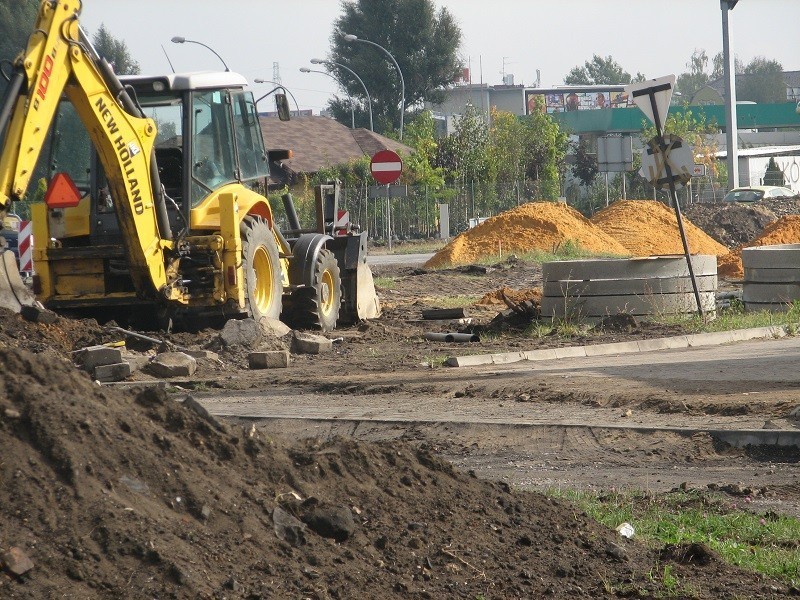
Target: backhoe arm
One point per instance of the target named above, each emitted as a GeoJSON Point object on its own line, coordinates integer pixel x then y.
{"type": "Point", "coordinates": [59, 59]}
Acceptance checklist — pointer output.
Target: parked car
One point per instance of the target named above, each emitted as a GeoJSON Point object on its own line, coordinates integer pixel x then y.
{"type": "Point", "coordinates": [754, 193]}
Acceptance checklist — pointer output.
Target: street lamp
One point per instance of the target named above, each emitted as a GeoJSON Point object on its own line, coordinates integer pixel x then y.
{"type": "Point", "coordinates": [319, 61]}
{"type": "Point", "coordinates": [349, 37]}
{"type": "Point", "coordinates": [352, 107]}
{"type": "Point", "coordinates": [278, 86]}
{"type": "Point", "coordinates": [182, 40]}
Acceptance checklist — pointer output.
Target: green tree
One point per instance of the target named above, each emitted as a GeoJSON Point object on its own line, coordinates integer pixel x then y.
{"type": "Point", "coordinates": [464, 154]}
{"type": "Point", "coordinates": [17, 18]}
{"type": "Point", "coordinates": [423, 41]}
{"type": "Point", "coordinates": [600, 70]}
{"type": "Point", "coordinates": [762, 81]}
{"type": "Point", "coordinates": [696, 77]}
{"type": "Point", "coordinates": [773, 174]}
{"type": "Point", "coordinates": [419, 166]}
{"type": "Point", "coordinates": [585, 167]}
{"type": "Point", "coordinates": [718, 62]}
{"type": "Point", "coordinates": [545, 146]}
{"type": "Point", "coordinates": [506, 149]}
{"type": "Point", "coordinates": [115, 52]}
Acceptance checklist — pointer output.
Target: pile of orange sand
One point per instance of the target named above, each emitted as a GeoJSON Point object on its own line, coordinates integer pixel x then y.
{"type": "Point", "coordinates": [530, 226]}
{"type": "Point", "coordinates": [785, 230]}
{"type": "Point", "coordinates": [505, 295]}
{"type": "Point", "coordinates": [647, 227]}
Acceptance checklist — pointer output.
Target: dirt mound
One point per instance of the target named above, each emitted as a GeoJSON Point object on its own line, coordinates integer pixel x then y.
{"type": "Point", "coordinates": [731, 223]}
{"type": "Point", "coordinates": [785, 230]}
{"type": "Point", "coordinates": [505, 296]}
{"type": "Point", "coordinates": [122, 495]}
{"type": "Point", "coordinates": [531, 226]}
{"type": "Point", "coordinates": [647, 227]}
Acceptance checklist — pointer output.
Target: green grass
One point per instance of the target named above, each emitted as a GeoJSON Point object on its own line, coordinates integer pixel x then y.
{"type": "Point", "coordinates": [387, 283]}
{"type": "Point", "coordinates": [735, 317]}
{"type": "Point", "coordinates": [765, 543]}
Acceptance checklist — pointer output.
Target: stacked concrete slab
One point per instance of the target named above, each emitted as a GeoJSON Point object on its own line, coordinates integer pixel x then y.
{"type": "Point", "coordinates": [771, 277]}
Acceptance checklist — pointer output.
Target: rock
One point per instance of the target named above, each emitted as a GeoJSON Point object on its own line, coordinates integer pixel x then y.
{"type": "Point", "coordinates": [273, 327]}
{"type": "Point", "coordinates": [616, 552]}
{"type": "Point", "coordinates": [172, 364]}
{"type": "Point", "coordinates": [38, 314]}
{"type": "Point", "coordinates": [136, 361]}
{"type": "Point", "coordinates": [288, 528]}
{"type": "Point", "coordinates": [335, 522]}
{"type": "Point", "coordinates": [310, 343]}
{"type": "Point", "coordinates": [16, 562]}
{"type": "Point", "coordinates": [98, 356]}
{"type": "Point", "coordinates": [245, 332]}
{"type": "Point", "coordinates": [202, 354]}
{"type": "Point", "coordinates": [115, 372]}
{"type": "Point", "coordinates": [272, 359]}
{"type": "Point", "coordinates": [11, 413]}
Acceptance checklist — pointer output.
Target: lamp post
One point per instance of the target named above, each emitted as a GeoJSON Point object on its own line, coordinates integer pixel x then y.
{"type": "Point", "coordinates": [731, 126]}
{"type": "Point", "coordinates": [278, 86]}
{"type": "Point", "coordinates": [349, 37]}
{"type": "Point", "coordinates": [352, 108]}
{"type": "Point", "coordinates": [182, 40]}
{"type": "Point", "coordinates": [318, 61]}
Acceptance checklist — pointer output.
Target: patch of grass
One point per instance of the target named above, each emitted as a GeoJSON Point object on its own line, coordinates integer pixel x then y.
{"type": "Point", "coordinates": [387, 283]}
{"type": "Point", "coordinates": [567, 250]}
{"type": "Point", "coordinates": [765, 543]}
{"type": "Point", "coordinates": [735, 317]}
{"type": "Point", "coordinates": [455, 301]}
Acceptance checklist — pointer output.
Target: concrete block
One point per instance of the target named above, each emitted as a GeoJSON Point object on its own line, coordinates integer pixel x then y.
{"type": "Point", "coordinates": [544, 354]}
{"type": "Point", "coordinates": [570, 351]}
{"type": "Point", "coordinates": [115, 372]}
{"type": "Point", "coordinates": [309, 343]}
{"type": "Point", "coordinates": [468, 361]}
{"type": "Point", "coordinates": [99, 356]}
{"type": "Point", "coordinates": [245, 332]}
{"type": "Point", "coordinates": [272, 359]}
{"type": "Point", "coordinates": [172, 364]}
{"type": "Point", "coordinates": [503, 358]}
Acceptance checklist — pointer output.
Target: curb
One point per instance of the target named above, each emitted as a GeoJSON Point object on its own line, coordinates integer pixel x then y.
{"type": "Point", "coordinates": [669, 343]}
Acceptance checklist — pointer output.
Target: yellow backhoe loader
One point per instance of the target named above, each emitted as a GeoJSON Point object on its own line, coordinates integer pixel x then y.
{"type": "Point", "coordinates": [153, 205]}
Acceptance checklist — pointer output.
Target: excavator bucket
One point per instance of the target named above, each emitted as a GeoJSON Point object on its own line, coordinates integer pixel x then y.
{"type": "Point", "coordinates": [14, 294]}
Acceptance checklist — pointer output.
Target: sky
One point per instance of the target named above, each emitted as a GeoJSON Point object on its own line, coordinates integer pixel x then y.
{"type": "Point", "coordinates": [259, 38]}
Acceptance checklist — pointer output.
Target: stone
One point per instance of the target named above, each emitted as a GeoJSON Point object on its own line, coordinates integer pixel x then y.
{"type": "Point", "coordinates": [334, 522]}
{"type": "Point", "coordinates": [37, 314]}
{"type": "Point", "coordinates": [271, 359]}
{"type": "Point", "coordinates": [310, 343]}
{"type": "Point", "coordinates": [172, 364]}
{"type": "Point", "coordinates": [273, 327]}
{"type": "Point", "coordinates": [137, 362]}
{"type": "Point", "coordinates": [288, 527]}
{"type": "Point", "coordinates": [115, 372]}
{"type": "Point", "coordinates": [16, 562]}
{"type": "Point", "coordinates": [202, 354]}
{"type": "Point", "coordinates": [98, 356]}
{"type": "Point", "coordinates": [244, 332]}
{"type": "Point", "coordinates": [11, 413]}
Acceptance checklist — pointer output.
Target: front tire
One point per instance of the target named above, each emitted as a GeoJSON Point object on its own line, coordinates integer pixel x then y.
{"type": "Point", "coordinates": [262, 269]}
{"type": "Point", "coordinates": [317, 306]}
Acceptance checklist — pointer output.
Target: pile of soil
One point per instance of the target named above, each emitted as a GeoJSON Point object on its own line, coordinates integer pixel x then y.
{"type": "Point", "coordinates": [115, 494]}
{"type": "Point", "coordinates": [731, 223]}
{"type": "Point", "coordinates": [647, 227]}
{"type": "Point", "coordinates": [531, 226]}
{"type": "Point", "coordinates": [507, 296]}
{"type": "Point", "coordinates": [785, 230]}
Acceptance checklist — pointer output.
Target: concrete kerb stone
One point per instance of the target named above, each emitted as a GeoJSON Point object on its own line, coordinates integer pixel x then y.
{"type": "Point", "coordinates": [669, 343]}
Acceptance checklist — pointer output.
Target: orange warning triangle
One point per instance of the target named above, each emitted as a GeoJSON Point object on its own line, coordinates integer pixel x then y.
{"type": "Point", "coordinates": [62, 192]}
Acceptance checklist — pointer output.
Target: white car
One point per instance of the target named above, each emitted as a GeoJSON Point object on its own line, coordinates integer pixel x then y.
{"type": "Point", "coordinates": [754, 193]}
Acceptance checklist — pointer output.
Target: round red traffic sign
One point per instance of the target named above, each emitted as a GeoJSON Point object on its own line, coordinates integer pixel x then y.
{"type": "Point", "coordinates": [386, 166]}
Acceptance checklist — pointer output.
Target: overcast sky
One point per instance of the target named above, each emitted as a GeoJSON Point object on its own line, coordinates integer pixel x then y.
{"type": "Point", "coordinates": [519, 37]}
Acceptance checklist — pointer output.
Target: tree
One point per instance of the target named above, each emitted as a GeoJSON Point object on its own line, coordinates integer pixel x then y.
{"type": "Point", "coordinates": [464, 153]}
{"type": "Point", "coordinates": [17, 18]}
{"type": "Point", "coordinates": [115, 52]}
{"type": "Point", "coordinates": [423, 41]}
{"type": "Point", "coordinates": [690, 82]}
{"type": "Point", "coordinates": [585, 167]}
{"type": "Point", "coordinates": [773, 174]}
{"type": "Point", "coordinates": [718, 70]}
{"type": "Point", "coordinates": [600, 70]}
{"type": "Point", "coordinates": [762, 81]}
{"type": "Point", "coordinates": [419, 166]}
{"type": "Point", "coordinates": [545, 148]}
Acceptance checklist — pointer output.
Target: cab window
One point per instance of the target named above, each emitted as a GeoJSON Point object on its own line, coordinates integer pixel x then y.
{"type": "Point", "coordinates": [249, 143]}
{"type": "Point", "coordinates": [213, 158]}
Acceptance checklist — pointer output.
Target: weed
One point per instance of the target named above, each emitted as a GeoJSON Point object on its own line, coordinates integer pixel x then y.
{"type": "Point", "coordinates": [387, 283]}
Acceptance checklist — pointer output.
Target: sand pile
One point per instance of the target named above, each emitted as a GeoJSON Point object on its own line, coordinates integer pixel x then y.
{"type": "Point", "coordinates": [785, 230]}
{"type": "Point", "coordinates": [505, 295]}
{"type": "Point", "coordinates": [531, 226]}
{"type": "Point", "coordinates": [647, 227]}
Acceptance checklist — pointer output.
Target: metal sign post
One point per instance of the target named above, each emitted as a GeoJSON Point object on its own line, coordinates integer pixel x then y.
{"type": "Point", "coordinates": [652, 97]}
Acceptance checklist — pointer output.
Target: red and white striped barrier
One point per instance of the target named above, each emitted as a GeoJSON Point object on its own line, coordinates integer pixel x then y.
{"type": "Point", "coordinates": [25, 244]}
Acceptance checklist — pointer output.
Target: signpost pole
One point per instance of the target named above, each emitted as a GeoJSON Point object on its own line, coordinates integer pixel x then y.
{"type": "Point", "coordinates": [674, 195]}
{"type": "Point", "coordinates": [388, 219]}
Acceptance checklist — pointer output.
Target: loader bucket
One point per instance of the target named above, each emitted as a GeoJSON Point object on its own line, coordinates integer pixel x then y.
{"type": "Point", "coordinates": [368, 305]}
{"type": "Point", "coordinates": [13, 293]}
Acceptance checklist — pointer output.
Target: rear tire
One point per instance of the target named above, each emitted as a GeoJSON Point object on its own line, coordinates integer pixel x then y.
{"type": "Point", "coordinates": [262, 269]}
{"type": "Point", "coordinates": [317, 307]}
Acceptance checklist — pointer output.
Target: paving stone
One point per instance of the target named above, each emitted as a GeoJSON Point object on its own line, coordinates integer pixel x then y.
{"type": "Point", "coordinates": [115, 372]}
{"type": "Point", "coordinates": [271, 359]}
{"type": "Point", "coordinates": [310, 343]}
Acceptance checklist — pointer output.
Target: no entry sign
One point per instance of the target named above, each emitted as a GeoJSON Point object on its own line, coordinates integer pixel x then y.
{"type": "Point", "coordinates": [386, 166]}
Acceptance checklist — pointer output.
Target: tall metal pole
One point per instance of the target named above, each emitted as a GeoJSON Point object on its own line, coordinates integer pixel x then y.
{"type": "Point", "coordinates": [317, 61]}
{"type": "Point", "coordinates": [731, 137]}
{"type": "Point", "coordinates": [179, 39]}
{"type": "Point", "coordinates": [353, 38]}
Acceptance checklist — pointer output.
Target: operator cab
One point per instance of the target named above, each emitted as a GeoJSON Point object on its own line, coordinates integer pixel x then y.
{"type": "Point", "coordinates": [208, 137]}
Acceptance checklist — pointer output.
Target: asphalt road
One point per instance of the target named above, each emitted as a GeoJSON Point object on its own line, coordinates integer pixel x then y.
{"type": "Point", "coordinates": [409, 260]}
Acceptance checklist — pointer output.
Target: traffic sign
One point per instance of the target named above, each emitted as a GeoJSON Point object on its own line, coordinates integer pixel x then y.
{"type": "Point", "coordinates": [659, 89]}
{"type": "Point", "coordinates": [667, 160]}
{"type": "Point", "coordinates": [386, 166]}
{"type": "Point", "coordinates": [699, 170]}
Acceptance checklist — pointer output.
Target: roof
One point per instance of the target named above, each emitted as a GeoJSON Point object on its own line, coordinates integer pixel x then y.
{"type": "Point", "coordinates": [189, 81]}
{"type": "Point", "coordinates": [762, 151]}
{"type": "Point", "coordinates": [318, 142]}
